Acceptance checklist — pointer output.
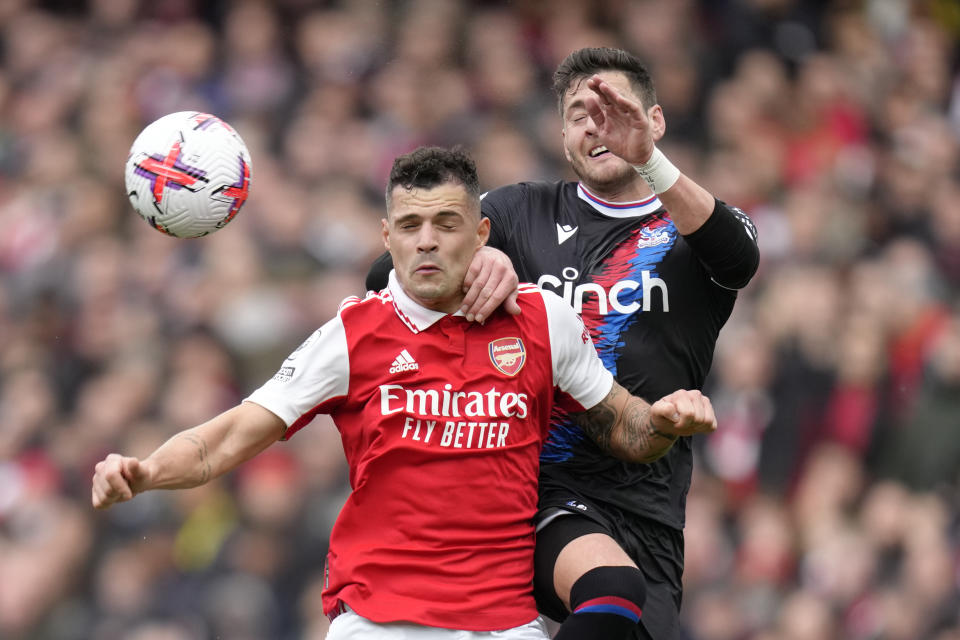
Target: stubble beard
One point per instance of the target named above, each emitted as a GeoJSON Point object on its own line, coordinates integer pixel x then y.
{"type": "Point", "coordinates": [429, 289]}
{"type": "Point", "coordinates": [610, 181]}
{"type": "Point", "coordinates": [433, 292]}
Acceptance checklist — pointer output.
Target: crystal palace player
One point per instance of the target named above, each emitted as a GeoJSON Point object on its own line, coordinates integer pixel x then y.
{"type": "Point", "coordinates": [652, 261]}
{"type": "Point", "coordinates": [442, 422]}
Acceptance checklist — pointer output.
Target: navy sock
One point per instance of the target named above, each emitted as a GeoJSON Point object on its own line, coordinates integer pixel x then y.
{"type": "Point", "coordinates": [605, 603]}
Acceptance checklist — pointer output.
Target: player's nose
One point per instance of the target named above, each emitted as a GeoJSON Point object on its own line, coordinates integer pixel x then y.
{"type": "Point", "coordinates": [427, 239]}
{"type": "Point", "coordinates": [590, 128]}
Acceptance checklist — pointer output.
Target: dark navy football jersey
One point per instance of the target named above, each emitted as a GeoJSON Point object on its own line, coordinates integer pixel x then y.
{"type": "Point", "coordinates": [654, 302]}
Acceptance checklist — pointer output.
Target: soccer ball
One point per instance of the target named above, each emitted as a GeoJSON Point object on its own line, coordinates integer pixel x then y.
{"type": "Point", "coordinates": [188, 174]}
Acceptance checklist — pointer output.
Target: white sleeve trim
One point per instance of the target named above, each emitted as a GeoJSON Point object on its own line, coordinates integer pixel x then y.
{"type": "Point", "coordinates": [577, 369]}
{"type": "Point", "coordinates": [722, 286]}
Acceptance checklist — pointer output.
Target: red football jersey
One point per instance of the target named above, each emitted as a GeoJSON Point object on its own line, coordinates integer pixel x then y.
{"type": "Point", "coordinates": [442, 422]}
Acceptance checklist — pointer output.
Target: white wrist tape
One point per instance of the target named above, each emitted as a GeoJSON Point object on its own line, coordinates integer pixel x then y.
{"type": "Point", "coordinates": [658, 172]}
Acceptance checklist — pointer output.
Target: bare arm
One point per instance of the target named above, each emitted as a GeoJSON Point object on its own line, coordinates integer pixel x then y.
{"type": "Point", "coordinates": [190, 458]}
{"type": "Point", "coordinates": [689, 204]}
{"type": "Point", "coordinates": [628, 428]}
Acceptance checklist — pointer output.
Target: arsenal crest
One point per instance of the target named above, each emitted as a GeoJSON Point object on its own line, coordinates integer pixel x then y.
{"type": "Point", "coordinates": [508, 355]}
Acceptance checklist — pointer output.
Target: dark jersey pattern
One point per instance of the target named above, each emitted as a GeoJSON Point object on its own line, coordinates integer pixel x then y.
{"type": "Point", "coordinates": [654, 302]}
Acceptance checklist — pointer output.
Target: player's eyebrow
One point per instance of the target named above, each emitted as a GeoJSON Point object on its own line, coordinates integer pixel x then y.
{"type": "Point", "coordinates": [407, 217]}
{"type": "Point", "coordinates": [444, 214]}
{"type": "Point", "coordinates": [576, 103]}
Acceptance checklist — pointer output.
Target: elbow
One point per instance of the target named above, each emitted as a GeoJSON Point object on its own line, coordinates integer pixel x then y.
{"type": "Point", "coordinates": [752, 267]}
{"type": "Point", "coordinates": [739, 277]}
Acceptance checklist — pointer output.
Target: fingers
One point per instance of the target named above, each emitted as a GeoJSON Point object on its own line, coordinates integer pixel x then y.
{"type": "Point", "coordinates": [510, 304]}
{"type": "Point", "coordinates": [609, 98]}
{"type": "Point", "coordinates": [618, 120]}
{"type": "Point", "coordinates": [477, 282]}
{"type": "Point", "coordinates": [109, 485]}
{"type": "Point", "coordinates": [595, 110]}
{"type": "Point", "coordinates": [606, 94]}
{"type": "Point", "coordinates": [686, 409]}
{"type": "Point", "coordinates": [474, 269]}
{"type": "Point", "coordinates": [135, 474]}
{"type": "Point", "coordinates": [664, 414]}
{"type": "Point", "coordinates": [102, 495]}
{"type": "Point", "coordinates": [494, 283]}
{"type": "Point", "coordinates": [505, 289]}
{"type": "Point", "coordinates": [693, 412]}
{"type": "Point", "coordinates": [596, 84]}
{"type": "Point", "coordinates": [710, 418]}
{"type": "Point", "coordinates": [130, 468]}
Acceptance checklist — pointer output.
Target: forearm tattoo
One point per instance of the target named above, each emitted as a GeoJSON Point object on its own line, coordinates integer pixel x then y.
{"type": "Point", "coordinates": [597, 422]}
{"type": "Point", "coordinates": [622, 427]}
{"type": "Point", "coordinates": [202, 455]}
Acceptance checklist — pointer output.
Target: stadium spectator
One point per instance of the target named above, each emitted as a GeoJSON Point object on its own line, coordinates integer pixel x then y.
{"type": "Point", "coordinates": [78, 80]}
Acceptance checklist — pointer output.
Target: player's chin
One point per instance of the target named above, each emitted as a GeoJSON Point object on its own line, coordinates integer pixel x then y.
{"type": "Point", "coordinates": [608, 180]}
{"type": "Point", "coordinates": [607, 169]}
{"type": "Point", "coordinates": [608, 163]}
{"type": "Point", "coordinates": [430, 289]}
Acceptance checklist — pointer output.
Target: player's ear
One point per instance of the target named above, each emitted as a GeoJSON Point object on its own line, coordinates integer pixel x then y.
{"type": "Point", "coordinates": [563, 138]}
{"type": "Point", "coordinates": [483, 232]}
{"type": "Point", "coordinates": [385, 229]}
{"type": "Point", "coordinates": [658, 126]}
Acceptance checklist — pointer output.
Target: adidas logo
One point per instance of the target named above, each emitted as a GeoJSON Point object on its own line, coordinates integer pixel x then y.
{"type": "Point", "coordinates": [404, 362]}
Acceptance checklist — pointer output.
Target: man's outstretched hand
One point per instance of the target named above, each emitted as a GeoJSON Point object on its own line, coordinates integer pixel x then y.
{"type": "Point", "coordinates": [623, 125]}
{"type": "Point", "coordinates": [490, 281]}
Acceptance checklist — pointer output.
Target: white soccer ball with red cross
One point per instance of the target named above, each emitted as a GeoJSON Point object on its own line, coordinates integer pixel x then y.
{"type": "Point", "coordinates": [188, 174]}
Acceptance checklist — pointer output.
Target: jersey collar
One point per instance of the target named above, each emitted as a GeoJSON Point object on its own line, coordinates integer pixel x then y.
{"type": "Point", "coordinates": [619, 209]}
{"type": "Point", "coordinates": [417, 317]}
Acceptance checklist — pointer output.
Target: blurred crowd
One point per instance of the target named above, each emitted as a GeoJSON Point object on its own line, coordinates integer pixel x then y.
{"type": "Point", "coordinates": [827, 505]}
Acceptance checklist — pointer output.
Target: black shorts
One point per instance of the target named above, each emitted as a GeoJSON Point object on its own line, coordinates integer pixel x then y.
{"type": "Point", "coordinates": [656, 548]}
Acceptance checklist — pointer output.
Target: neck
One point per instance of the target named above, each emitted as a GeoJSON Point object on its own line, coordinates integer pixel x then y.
{"type": "Point", "coordinates": [632, 191]}
{"type": "Point", "coordinates": [448, 305]}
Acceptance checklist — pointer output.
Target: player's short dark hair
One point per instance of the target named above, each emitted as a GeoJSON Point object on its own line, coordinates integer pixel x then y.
{"type": "Point", "coordinates": [429, 167]}
{"type": "Point", "coordinates": [583, 63]}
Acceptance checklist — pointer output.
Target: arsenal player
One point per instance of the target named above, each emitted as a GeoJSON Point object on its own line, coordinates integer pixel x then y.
{"type": "Point", "coordinates": [442, 422]}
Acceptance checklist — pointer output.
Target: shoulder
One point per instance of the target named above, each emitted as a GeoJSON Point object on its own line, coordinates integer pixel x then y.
{"type": "Point", "coordinates": [555, 306]}
{"type": "Point", "coordinates": [533, 311]}
{"type": "Point", "coordinates": [355, 307]}
{"type": "Point", "coordinates": [528, 295]}
{"type": "Point", "coordinates": [514, 194]}
{"type": "Point", "coordinates": [549, 302]}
